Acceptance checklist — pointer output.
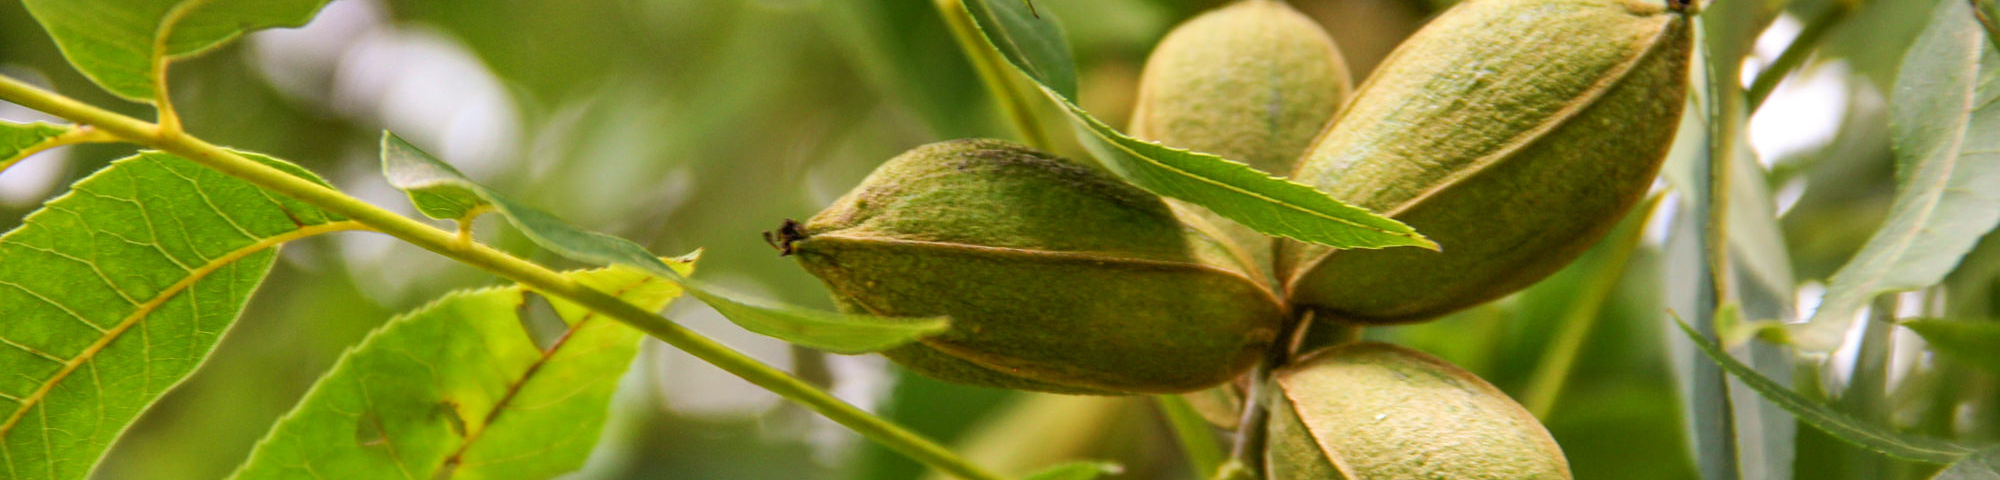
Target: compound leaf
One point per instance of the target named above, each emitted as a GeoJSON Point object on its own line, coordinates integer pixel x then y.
{"type": "Point", "coordinates": [115, 292]}
{"type": "Point", "coordinates": [119, 43]}
{"type": "Point", "coordinates": [461, 389]}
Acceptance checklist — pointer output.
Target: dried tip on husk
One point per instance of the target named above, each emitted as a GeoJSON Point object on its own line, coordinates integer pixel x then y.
{"type": "Point", "coordinates": [1057, 277]}
{"type": "Point", "coordinates": [1514, 133]}
{"type": "Point", "coordinates": [1374, 411]}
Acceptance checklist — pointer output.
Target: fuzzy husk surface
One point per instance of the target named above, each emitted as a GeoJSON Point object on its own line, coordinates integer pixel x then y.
{"type": "Point", "coordinates": [1374, 411]}
{"type": "Point", "coordinates": [1514, 133]}
{"type": "Point", "coordinates": [1253, 81]}
{"type": "Point", "coordinates": [1057, 277]}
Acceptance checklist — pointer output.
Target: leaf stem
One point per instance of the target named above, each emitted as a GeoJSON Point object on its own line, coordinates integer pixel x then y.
{"type": "Point", "coordinates": [479, 255]}
{"type": "Point", "coordinates": [1798, 51]}
{"type": "Point", "coordinates": [993, 72]}
{"type": "Point", "coordinates": [1711, 412]}
{"type": "Point", "coordinates": [1251, 430]}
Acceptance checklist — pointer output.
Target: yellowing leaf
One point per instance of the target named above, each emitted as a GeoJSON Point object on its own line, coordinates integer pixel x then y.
{"type": "Point", "coordinates": [459, 389]}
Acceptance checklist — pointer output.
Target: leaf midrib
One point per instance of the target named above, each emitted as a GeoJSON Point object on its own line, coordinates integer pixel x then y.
{"type": "Point", "coordinates": [1117, 139]}
{"type": "Point", "coordinates": [457, 457]}
{"type": "Point", "coordinates": [1929, 203]}
{"type": "Point", "coordinates": [144, 310]}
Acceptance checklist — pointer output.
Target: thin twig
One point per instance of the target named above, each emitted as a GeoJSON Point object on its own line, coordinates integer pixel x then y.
{"type": "Point", "coordinates": [484, 257]}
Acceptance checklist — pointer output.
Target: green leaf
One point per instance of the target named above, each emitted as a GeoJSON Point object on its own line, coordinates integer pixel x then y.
{"type": "Point", "coordinates": [1947, 159]}
{"type": "Point", "coordinates": [1989, 18]}
{"type": "Point", "coordinates": [118, 42]}
{"type": "Point", "coordinates": [460, 389]}
{"type": "Point", "coordinates": [113, 293]}
{"type": "Point", "coordinates": [1833, 422]}
{"type": "Point", "coordinates": [428, 181]}
{"type": "Point", "coordinates": [1974, 342]}
{"type": "Point", "coordinates": [20, 140]}
{"type": "Point", "coordinates": [1271, 205]}
{"type": "Point", "coordinates": [1984, 465]}
{"type": "Point", "coordinates": [1035, 44]}
{"type": "Point", "coordinates": [830, 331]}
{"type": "Point", "coordinates": [1077, 471]}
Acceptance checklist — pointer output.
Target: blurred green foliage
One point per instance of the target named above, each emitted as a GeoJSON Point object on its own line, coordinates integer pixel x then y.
{"type": "Point", "coordinates": [699, 124]}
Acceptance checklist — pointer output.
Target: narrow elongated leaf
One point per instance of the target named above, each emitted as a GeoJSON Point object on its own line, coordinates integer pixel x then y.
{"type": "Point", "coordinates": [1034, 45]}
{"type": "Point", "coordinates": [111, 294]}
{"type": "Point", "coordinates": [830, 331]}
{"type": "Point", "coordinates": [1947, 161]}
{"type": "Point", "coordinates": [1825, 418]}
{"type": "Point", "coordinates": [1984, 465]}
{"type": "Point", "coordinates": [459, 389]}
{"type": "Point", "coordinates": [117, 43]}
{"type": "Point", "coordinates": [19, 140]}
{"type": "Point", "coordinates": [428, 183]}
{"type": "Point", "coordinates": [1077, 471]}
{"type": "Point", "coordinates": [1974, 342]}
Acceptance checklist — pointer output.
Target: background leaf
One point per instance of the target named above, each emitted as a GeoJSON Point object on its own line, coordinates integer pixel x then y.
{"type": "Point", "coordinates": [1974, 342]}
{"type": "Point", "coordinates": [460, 389]}
{"type": "Point", "coordinates": [113, 41]}
{"type": "Point", "coordinates": [114, 292]}
{"type": "Point", "coordinates": [830, 331]}
{"type": "Point", "coordinates": [429, 184]}
{"type": "Point", "coordinates": [1268, 204]}
{"type": "Point", "coordinates": [1944, 111]}
{"type": "Point", "coordinates": [1984, 465]}
{"type": "Point", "coordinates": [1838, 424]}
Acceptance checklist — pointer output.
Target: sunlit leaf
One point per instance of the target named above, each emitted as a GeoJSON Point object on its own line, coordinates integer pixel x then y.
{"type": "Point", "coordinates": [116, 42]}
{"type": "Point", "coordinates": [1974, 342]}
{"type": "Point", "coordinates": [460, 389]}
{"type": "Point", "coordinates": [114, 292]}
{"type": "Point", "coordinates": [19, 140]}
{"type": "Point", "coordinates": [1984, 465]}
{"type": "Point", "coordinates": [1833, 422]}
{"type": "Point", "coordinates": [1077, 471]}
{"type": "Point", "coordinates": [830, 331]}
{"type": "Point", "coordinates": [1947, 160]}
{"type": "Point", "coordinates": [1275, 206]}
